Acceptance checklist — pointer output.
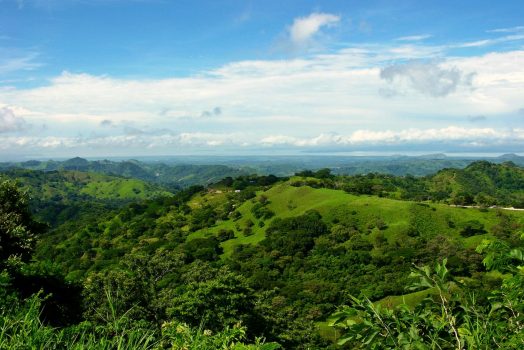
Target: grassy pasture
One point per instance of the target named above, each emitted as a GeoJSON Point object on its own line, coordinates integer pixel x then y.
{"type": "Point", "coordinates": [363, 211]}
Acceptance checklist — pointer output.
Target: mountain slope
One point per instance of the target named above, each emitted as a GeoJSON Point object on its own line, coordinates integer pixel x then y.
{"type": "Point", "coordinates": [176, 175]}
{"type": "Point", "coordinates": [296, 248]}
{"type": "Point", "coordinates": [59, 196]}
{"type": "Point", "coordinates": [481, 183]}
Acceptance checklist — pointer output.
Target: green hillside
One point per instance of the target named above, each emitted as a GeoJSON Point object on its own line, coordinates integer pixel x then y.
{"type": "Point", "coordinates": [338, 206]}
{"type": "Point", "coordinates": [281, 255]}
{"type": "Point", "coordinates": [481, 183]}
{"type": "Point", "coordinates": [173, 176]}
{"type": "Point", "coordinates": [310, 247]}
{"type": "Point", "coordinates": [61, 196]}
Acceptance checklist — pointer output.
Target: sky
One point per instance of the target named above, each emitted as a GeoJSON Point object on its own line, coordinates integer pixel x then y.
{"type": "Point", "coordinates": [101, 78]}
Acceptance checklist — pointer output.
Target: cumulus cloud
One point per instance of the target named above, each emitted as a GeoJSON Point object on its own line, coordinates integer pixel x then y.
{"type": "Point", "coordinates": [407, 136]}
{"type": "Point", "coordinates": [9, 122]}
{"type": "Point", "coordinates": [135, 142]}
{"type": "Point", "coordinates": [319, 93]}
{"type": "Point", "coordinates": [430, 78]}
{"type": "Point", "coordinates": [344, 83]}
{"type": "Point", "coordinates": [304, 29]}
{"type": "Point", "coordinates": [459, 137]}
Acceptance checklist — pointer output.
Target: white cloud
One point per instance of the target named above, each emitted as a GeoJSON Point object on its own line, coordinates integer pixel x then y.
{"type": "Point", "coordinates": [428, 78]}
{"type": "Point", "coordinates": [339, 87]}
{"type": "Point", "coordinates": [409, 136]}
{"type": "Point", "coordinates": [276, 102]}
{"type": "Point", "coordinates": [9, 122]}
{"type": "Point", "coordinates": [414, 37]}
{"type": "Point", "coordinates": [304, 29]}
{"type": "Point", "coordinates": [407, 139]}
{"type": "Point", "coordinates": [488, 42]}
{"type": "Point", "coordinates": [507, 30]}
{"type": "Point", "coordinates": [13, 61]}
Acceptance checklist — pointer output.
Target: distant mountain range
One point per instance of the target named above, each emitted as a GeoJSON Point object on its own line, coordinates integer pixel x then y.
{"type": "Point", "coordinates": [180, 172]}
{"type": "Point", "coordinates": [173, 176]}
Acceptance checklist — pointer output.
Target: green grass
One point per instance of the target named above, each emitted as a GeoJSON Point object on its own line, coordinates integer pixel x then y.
{"type": "Point", "coordinates": [67, 185]}
{"type": "Point", "coordinates": [21, 328]}
{"type": "Point", "coordinates": [120, 189]}
{"type": "Point", "coordinates": [409, 299]}
{"type": "Point", "coordinates": [335, 205]}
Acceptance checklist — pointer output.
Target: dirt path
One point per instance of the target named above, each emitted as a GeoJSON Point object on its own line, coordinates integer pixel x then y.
{"type": "Point", "coordinates": [479, 207]}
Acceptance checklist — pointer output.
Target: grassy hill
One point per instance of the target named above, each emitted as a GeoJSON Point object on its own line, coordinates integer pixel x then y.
{"type": "Point", "coordinates": [295, 247]}
{"type": "Point", "coordinates": [244, 215]}
{"type": "Point", "coordinates": [60, 196]}
{"type": "Point", "coordinates": [481, 183]}
{"type": "Point", "coordinates": [173, 176]}
{"type": "Point", "coordinates": [336, 206]}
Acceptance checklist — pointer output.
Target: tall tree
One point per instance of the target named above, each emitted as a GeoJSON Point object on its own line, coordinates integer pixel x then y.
{"type": "Point", "coordinates": [17, 228]}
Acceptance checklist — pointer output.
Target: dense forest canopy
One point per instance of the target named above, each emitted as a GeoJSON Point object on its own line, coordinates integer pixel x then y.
{"type": "Point", "coordinates": [261, 262]}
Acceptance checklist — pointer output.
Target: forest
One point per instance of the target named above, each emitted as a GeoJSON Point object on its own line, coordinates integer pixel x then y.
{"type": "Point", "coordinates": [103, 259]}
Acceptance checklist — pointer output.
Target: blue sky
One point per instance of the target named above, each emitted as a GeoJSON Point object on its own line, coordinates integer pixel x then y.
{"type": "Point", "coordinates": [117, 77]}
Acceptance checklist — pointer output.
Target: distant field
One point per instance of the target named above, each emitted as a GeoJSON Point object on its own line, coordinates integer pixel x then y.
{"type": "Point", "coordinates": [121, 189]}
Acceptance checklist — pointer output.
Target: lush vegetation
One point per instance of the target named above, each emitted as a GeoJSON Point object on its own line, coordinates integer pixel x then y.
{"type": "Point", "coordinates": [181, 172]}
{"type": "Point", "coordinates": [455, 315]}
{"type": "Point", "coordinates": [33, 301]}
{"type": "Point", "coordinates": [173, 176]}
{"type": "Point", "coordinates": [479, 184]}
{"type": "Point", "coordinates": [70, 196]}
{"type": "Point", "coordinates": [255, 261]}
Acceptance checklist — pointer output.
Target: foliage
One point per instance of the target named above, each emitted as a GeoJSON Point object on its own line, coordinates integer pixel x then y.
{"type": "Point", "coordinates": [481, 183]}
{"type": "Point", "coordinates": [452, 317]}
{"type": "Point", "coordinates": [173, 176]}
{"type": "Point", "coordinates": [213, 301]}
{"type": "Point", "coordinates": [17, 238]}
{"type": "Point", "coordinates": [21, 328]}
{"type": "Point", "coordinates": [261, 257]}
{"type": "Point", "coordinates": [180, 336]}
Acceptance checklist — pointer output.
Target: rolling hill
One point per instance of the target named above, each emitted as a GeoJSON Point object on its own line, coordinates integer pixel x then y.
{"type": "Point", "coordinates": [64, 195]}
{"type": "Point", "coordinates": [304, 239]}
{"type": "Point", "coordinates": [174, 176]}
{"type": "Point", "coordinates": [281, 253]}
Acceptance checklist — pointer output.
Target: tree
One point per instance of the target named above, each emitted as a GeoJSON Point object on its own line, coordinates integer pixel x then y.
{"type": "Point", "coordinates": [17, 228]}
{"type": "Point", "coordinates": [214, 299]}
{"type": "Point", "coordinates": [452, 316]}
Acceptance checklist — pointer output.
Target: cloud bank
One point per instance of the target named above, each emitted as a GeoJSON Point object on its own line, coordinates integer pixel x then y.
{"type": "Point", "coordinates": [398, 94]}
{"type": "Point", "coordinates": [459, 138]}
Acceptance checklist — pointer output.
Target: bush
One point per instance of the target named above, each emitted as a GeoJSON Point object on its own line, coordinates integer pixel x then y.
{"type": "Point", "coordinates": [225, 235]}
{"type": "Point", "coordinates": [472, 228]}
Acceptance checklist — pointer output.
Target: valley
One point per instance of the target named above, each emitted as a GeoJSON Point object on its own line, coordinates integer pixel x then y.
{"type": "Point", "coordinates": [279, 254]}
